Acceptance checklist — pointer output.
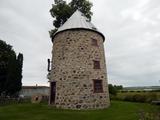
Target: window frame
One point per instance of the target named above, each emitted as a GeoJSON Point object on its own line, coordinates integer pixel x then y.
{"type": "Point", "coordinates": [95, 87]}
{"type": "Point", "coordinates": [96, 64]}
{"type": "Point", "coordinates": [94, 42]}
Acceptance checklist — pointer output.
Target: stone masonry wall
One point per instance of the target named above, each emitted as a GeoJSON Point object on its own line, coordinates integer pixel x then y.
{"type": "Point", "coordinates": [72, 69]}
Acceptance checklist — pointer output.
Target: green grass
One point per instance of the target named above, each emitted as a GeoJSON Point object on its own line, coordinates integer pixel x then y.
{"type": "Point", "coordinates": [117, 111]}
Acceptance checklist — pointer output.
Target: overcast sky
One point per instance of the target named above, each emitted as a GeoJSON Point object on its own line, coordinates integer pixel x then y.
{"type": "Point", "coordinates": [131, 28]}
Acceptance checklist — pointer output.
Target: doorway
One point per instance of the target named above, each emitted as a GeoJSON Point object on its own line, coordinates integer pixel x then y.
{"type": "Point", "coordinates": [52, 92]}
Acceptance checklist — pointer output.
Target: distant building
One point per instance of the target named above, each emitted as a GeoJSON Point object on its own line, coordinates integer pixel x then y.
{"type": "Point", "coordinates": [29, 91]}
{"type": "Point", "coordinates": [78, 77]}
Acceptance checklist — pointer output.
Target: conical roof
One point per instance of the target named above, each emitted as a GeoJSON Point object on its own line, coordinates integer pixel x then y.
{"type": "Point", "coordinates": [78, 21]}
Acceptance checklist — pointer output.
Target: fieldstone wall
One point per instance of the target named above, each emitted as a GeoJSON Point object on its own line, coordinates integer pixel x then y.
{"type": "Point", "coordinates": [72, 69]}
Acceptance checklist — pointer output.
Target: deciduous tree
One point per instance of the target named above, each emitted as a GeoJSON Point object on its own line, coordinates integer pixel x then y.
{"type": "Point", "coordinates": [61, 11]}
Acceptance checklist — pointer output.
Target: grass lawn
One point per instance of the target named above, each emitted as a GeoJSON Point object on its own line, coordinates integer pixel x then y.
{"type": "Point", "coordinates": [117, 111]}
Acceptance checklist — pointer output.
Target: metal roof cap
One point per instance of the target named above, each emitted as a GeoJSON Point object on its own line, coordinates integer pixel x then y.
{"type": "Point", "coordinates": [77, 21]}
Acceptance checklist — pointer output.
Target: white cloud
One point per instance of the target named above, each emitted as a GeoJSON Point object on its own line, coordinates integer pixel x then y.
{"type": "Point", "coordinates": [158, 16]}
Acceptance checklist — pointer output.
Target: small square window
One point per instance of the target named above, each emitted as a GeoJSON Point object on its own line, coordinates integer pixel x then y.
{"type": "Point", "coordinates": [96, 64]}
{"type": "Point", "coordinates": [94, 42]}
{"type": "Point", "coordinates": [98, 86]}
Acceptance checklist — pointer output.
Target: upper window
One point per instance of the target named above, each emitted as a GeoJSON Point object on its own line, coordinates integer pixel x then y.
{"type": "Point", "coordinates": [98, 86]}
{"type": "Point", "coordinates": [94, 42]}
{"type": "Point", "coordinates": [96, 64]}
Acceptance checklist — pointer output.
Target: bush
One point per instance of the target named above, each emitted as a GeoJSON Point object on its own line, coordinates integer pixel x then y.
{"type": "Point", "coordinates": [149, 115]}
{"type": "Point", "coordinates": [151, 97]}
{"type": "Point", "coordinates": [139, 98]}
{"type": "Point", "coordinates": [8, 101]}
{"type": "Point", "coordinates": [136, 97]}
{"type": "Point", "coordinates": [123, 91]}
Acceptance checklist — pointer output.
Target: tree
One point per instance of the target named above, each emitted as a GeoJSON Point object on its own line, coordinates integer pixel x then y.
{"type": "Point", "coordinates": [5, 52]}
{"type": "Point", "coordinates": [113, 89]}
{"type": "Point", "coordinates": [10, 70]}
{"type": "Point", "coordinates": [19, 66]}
{"type": "Point", "coordinates": [83, 5]}
{"type": "Point", "coordinates": [61, 11]}
{"type": "Point", "coordinates": [10, 84]}
{"type": "Point", "coordinates": [118, 87]}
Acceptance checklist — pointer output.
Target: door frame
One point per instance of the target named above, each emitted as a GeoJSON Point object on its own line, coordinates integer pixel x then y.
{"type": "Point", "coordinates": [52, 98]}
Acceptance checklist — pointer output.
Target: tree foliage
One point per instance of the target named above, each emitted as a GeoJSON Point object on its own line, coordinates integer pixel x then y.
{"type": "Point", "coordinates": [61, 11]}
{"type": "Point", "coordinates": [113, 89]}
{"type": "Point", "coordinates": [83, 5]}
{"type": "Point", "coordinates": [10, 70]}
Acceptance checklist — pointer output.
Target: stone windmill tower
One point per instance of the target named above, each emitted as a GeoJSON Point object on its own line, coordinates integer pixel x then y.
{"type": "Point", "coordinates": [78, 77]}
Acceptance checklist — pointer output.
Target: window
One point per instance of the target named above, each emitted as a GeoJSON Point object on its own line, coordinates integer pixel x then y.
{"type": "Point", "coordinates": [98, 86]}
{"type": "Point", "coordinates": [94, 42]}
{"type": "Point", "coordinates": [96, 64]}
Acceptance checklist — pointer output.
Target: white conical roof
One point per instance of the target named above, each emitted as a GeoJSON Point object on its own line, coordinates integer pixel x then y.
{"type": "Point", "coordinates": [78, 21]}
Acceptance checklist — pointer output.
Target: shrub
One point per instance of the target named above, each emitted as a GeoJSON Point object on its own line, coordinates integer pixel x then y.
{"type": "Point", "coordinates": [139, 98]}
{"type": "Point", "coordinates": [136, 97]}
{"type": "Point", "coordinates": [149, 115]}
{"type": "Point", "coordinates": [123, 91]}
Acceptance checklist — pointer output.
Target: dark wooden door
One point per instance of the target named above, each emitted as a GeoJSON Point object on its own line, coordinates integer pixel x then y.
{"type": "Point", "coordinates": [53, 92]}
